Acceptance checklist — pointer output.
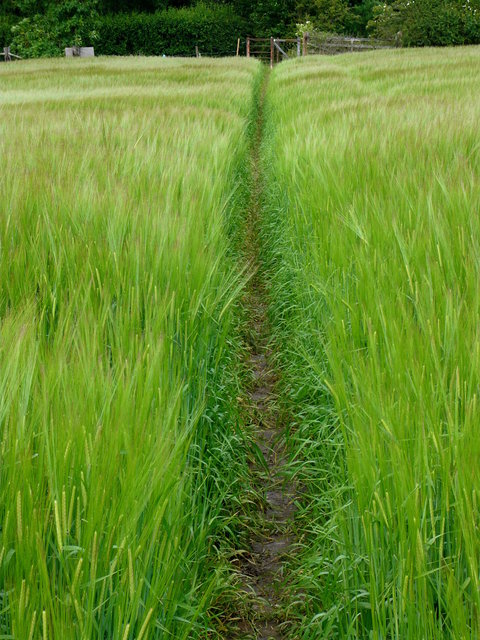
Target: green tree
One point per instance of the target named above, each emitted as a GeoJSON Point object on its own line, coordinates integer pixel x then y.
{"type": "Point", "coordinates": [360, 14]}
{"type": "Point", "coordinates": [129, 6]}
{"type": "Point", "coordinates": [429, 22]}
{"type": "Point", "coordinates": [27, 8]}
{"type": "Point", "coordinates": [332, 14]}
{"type": "Point", "coordinates": [326, 15]}
{"type": "Point", "coordinates": [272, 18]}
{"type": "Point", "coordinates": [62, 24]}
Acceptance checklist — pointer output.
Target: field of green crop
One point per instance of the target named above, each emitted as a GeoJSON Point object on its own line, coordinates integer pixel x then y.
{"type": "Point", "coordinates": [118, 282]}
{"type": "Point", "coordinates": [125, 457]}
{"type": "Point", "coordinates": [372, 237]}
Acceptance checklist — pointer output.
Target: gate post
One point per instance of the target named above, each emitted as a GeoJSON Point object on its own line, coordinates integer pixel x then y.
{"type": "Point", "coordinates": [248, 47]}
{"type": "Point", "coordinates": [305, 40]}
{"type": "Point", "coordinates": [271, 53]}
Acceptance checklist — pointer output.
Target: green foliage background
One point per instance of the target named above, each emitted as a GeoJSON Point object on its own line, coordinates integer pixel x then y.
{"type": "Point", "coordinates": [172, 32]}
{"type": "Point", "coordinates": [38, 28]}
{"type": "Point", "coordinates": [429, 22]}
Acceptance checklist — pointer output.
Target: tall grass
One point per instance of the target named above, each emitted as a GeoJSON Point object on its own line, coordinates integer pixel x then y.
{"type": "Point", "coordinates": [372, 237]}
{"type": "Point", "coordinates": [120, 460]}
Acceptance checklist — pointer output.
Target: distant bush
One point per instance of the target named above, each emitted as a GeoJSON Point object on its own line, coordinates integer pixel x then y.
{"type": "Point", "coordinates": [337, 16]}
{"type": "Point", "coordinates": [173, 32]}
{"type": "Point", "coordinates": [6, 24]}
{"type": "Point", "coordinates": [271, 18]}
{"type": "Point", "coordinates": [429, 22]}
{"type": "Point", "coordinates": [63, 24]}
{"type": "Point", "coordinates": [332, 15]}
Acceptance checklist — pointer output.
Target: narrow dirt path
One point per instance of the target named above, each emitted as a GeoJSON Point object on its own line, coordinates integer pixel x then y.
{"type": "Point", "coordinates": [262, 567]}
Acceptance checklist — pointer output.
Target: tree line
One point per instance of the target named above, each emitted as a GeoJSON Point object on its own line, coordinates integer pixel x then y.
{"type": "Point", "coordinates": [43, 27]}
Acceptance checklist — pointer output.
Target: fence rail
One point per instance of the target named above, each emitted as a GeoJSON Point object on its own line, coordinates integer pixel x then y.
{"type": "Point", "coordinates": [274, 50]}
{"type": "Point", "coordinates": [8, 56]}
{"type": "Point", "coordinates": [331, 45]}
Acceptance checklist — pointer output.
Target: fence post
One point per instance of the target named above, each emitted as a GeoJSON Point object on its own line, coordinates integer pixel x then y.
{"type": "Point", "coordinates": [305, 41]}
{"type": "Point", "coordinates": [238, 46]}
{"type": "Point", "coordinates": [271, 53]}
{"type": "Point", "coordinates": [298, 47]}
{"type": "Point", "coordinates": [6, 54]}
{"type": "Point", "coordinates": [248, 47]}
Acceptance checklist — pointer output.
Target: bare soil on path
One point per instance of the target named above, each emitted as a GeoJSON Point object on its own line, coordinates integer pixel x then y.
{"type": "Point", "coordinates": [262, 567]}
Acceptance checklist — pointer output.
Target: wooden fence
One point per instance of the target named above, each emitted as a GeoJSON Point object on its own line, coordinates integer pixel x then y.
{"type": "Point", "coordinates": [334, 45]}
{"type": "Point", "coordinates": [8, 56]}
{"type": "Point", "coordinates": [273, 50]}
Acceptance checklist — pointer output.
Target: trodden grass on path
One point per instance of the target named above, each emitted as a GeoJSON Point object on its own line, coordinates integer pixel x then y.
{"type": "Point", "coordinates": [120, 461]}
{"type": "Point", "coordinates": [372, 237]}
{"type": "Point", "coordinates": [262, 583]}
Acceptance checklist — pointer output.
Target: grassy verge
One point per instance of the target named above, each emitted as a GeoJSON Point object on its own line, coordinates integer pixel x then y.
{"type": "Point", "coordinates": [120, 460]}
{"type": "Point", "coordinates": [371, 237]}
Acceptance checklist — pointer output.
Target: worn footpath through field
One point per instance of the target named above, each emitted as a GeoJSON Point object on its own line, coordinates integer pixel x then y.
{"type": "Point", "coordinates": [261, 568]}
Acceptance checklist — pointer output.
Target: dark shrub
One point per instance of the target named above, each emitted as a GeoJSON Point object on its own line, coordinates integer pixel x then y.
{"type": "Point", "coordinates": [6, 24]}
{"type": "Point", "coordinates": [172, 32]}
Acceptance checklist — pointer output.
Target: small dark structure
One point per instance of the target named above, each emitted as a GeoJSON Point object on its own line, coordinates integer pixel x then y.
{"type": "Point", "coordinates": [79, 52]}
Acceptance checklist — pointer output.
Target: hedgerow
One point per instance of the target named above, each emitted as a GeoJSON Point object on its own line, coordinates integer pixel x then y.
{"type": "Point", "coordinates": [173, 32]}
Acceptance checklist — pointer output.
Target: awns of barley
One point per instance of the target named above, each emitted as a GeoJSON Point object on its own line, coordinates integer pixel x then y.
{"type": "Point", "coordinates": [118, 343]}
{"type": "Point", "coordinates": [372, 238]}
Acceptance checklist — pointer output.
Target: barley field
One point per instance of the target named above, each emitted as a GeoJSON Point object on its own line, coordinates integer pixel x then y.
{"type": "Point", "coordinates": [372, 237]}
{"type": "Point", "coordinates": [118, 194]}
{"type": "Point", "coordinates": [154, 213]}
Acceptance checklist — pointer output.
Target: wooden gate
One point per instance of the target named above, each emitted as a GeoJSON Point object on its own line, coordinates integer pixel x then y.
{"type": "Point", "coordinates": [273, 50]}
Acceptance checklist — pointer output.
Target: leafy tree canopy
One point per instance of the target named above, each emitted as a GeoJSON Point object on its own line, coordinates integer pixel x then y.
{"type": "Point", "coordinates": [45, 25]}
{"type": "Point", "coordinates": [428, 22]}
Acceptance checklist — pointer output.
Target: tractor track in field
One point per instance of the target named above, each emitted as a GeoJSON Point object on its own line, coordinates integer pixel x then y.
{"type": "Point", "coordinates": [261, 567]}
